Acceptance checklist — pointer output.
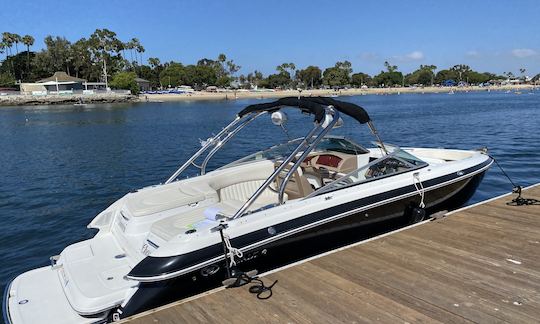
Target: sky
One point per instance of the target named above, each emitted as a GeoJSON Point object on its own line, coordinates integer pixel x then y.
{"type": "Point", "coordinates": [495, 36]}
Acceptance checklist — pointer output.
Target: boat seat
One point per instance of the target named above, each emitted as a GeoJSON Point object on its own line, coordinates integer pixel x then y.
{"type": "Point", "coordinates": [170, 227]}
{"type": "Point", "coordinates": [157, 200]}
{"type": "Point", "coordinates": [92, 274]}
{"type": "Point", "coordinates": [244, 190]}
{"type": "Point", "coordinates": [232, 198]}
{"type": "Point", "coordinates": [298, 185]}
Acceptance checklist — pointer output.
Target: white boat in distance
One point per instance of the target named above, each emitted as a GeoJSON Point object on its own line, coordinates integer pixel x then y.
{"type": "Point", "coordinates": [173, 240]}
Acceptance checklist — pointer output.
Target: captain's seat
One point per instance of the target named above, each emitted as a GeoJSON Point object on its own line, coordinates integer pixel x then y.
{"type": "Point", "coordinates": [298, 185]}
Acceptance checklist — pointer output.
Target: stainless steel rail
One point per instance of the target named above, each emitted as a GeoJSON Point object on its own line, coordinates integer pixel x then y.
{"type": "Point", "coordinates": [376, 134]}
{"type": "Point", "coordinates": [210, 142]}
{"type": "Point", "coordinates": [310, 148]}
{"type": "Point", "coordinates": [306, 142]}
{"type": "Point", "coordinates": [226, 139]}
{"type": "Point", "coordinates": [276, 172]}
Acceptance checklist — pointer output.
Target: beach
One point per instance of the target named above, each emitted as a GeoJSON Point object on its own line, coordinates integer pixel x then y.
{"type": "Point", "coordinates": [231, 94]}
{"type": "Point", "coordinates": [111, 97]}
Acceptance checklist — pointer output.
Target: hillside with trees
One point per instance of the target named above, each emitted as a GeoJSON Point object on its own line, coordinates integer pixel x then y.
{"type": "Point", "coordinates": [123, 61]}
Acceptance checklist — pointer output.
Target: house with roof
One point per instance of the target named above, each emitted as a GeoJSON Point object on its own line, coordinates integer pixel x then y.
{"type": "Point", "coordinates": [61, 81]}
{"type": "Point", "coordinates": [144, 85]}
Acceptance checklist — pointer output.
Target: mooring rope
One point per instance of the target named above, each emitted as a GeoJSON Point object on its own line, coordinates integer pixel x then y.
{"type": "Point", "coordinates": [259, 288]}
{"type": "Point", "coordinates": [241, 278]}
{"type": "Point", "coordinates": [232, 252]}
{"type": "Point", "coordinates": [518, 201]}
{"type": "Point", "coordinates": [419, 188]}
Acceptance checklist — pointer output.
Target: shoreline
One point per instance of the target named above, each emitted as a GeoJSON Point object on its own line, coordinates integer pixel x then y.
{"type": "Point", "coordinates": [232, 95]}
{"type": "Point", "coordinates": [69, 99]}
{"type": "Point", "coordinates": [102, 98]}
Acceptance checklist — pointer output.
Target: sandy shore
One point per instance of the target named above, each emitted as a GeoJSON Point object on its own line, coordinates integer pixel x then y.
{"type": "Point", "coordinates": [203, 95]}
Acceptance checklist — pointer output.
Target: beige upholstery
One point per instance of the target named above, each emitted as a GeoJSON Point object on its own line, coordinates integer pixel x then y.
{"type": "Point", "coordinates": [232, 186]}
{"type": "Point", "coordinates": [203, 188]}
{"type": "Point", "coordinates": [298, 185]}
{"type": "Point", "coordinates": [244, 190]}
{"type": "Point", "coordinates": [172, 226]}
{"type": "Point", "coordinates": [239, 174]}
{"type": "Point", "coordinates": [167, 197]}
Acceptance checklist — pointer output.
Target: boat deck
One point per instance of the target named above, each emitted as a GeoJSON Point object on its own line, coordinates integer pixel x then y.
{"type": "Point", "coordinates": [477, 264]}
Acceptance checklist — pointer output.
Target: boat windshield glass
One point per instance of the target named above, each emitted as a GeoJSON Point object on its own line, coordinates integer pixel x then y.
{"type": "Point", "coordinates": [396, 162]}
{"type": "Point", "coordinates": [281, 151]}
{"type": "Point", "coordinates": [339, 144]}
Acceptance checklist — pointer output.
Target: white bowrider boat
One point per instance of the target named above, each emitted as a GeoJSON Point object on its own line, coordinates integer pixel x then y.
{"type": "Point", "coordinates": [173, 240]}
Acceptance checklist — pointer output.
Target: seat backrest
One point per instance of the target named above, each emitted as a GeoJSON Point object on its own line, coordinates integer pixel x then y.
{"type": "Point", "coordinates": [298, 185]}
{"type": "Point", "coordinates": [242, 191]}
{"type": "Point", "coordinates": [254, 171]}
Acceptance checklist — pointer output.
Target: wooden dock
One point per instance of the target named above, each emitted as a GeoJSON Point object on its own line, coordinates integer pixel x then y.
{"type": "Point", "coordinates": [479, 264]}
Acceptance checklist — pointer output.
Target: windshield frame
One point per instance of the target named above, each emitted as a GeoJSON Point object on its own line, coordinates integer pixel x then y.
{"type": "Point", "coordinates": [248, 158]}
{"type": "Point", "coordinates": [328, 187]}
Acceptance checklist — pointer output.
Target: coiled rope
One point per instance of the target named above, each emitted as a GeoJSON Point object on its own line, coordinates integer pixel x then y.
{"type": "Point", "coordinates": [518, 201]}
{"type": "Point", "coordinates": [259, 288]}
{"type": "Point", "coordinates": [241, 278]}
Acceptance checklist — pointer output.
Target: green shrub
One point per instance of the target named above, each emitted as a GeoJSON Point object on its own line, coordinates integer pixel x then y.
{"type": "Point", "coordinates": [125, 81]}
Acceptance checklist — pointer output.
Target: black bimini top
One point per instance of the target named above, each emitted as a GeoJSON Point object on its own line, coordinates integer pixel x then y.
{"type": "Point", "coordinates": [312, 105]}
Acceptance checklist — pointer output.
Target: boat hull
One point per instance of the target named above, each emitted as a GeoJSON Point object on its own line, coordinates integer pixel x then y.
{"type": "Point", "coordinates": [327, 236]}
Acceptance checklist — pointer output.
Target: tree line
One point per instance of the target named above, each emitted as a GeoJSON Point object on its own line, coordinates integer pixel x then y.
{"type": "Point", "coordinates": [102, 55]}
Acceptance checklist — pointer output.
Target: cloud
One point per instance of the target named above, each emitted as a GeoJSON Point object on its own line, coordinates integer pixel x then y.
{"type": "Point", "coordinates": [415, 56]}
{"type": "Point", "coordinates": [369, 56]}
{"type": "Point", "coordinates": [523, 52]}
{"type": "Point", "coordinates": [473, 54]}
{"type": "Point", "coordinates": [412, 56]}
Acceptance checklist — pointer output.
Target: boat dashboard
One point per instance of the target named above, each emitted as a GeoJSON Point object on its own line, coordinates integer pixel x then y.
{"type": "Point", "coordinates": [334, 161]}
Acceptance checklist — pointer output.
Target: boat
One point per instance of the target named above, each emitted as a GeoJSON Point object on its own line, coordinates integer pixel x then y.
{"type": "Point", "coordinates": [167, 242]}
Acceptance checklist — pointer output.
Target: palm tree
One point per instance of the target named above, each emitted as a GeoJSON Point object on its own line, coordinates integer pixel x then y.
{"type": "Point", "coordinates": [28, 41]}
{"type": "Point", "coordinates": [16, 39]}
{"type": "Point", "coordinates": [129, 46]}
{"type": "Point", "coordinates": [522, 71]}
{"type": "Point", "coordinates": [154, 62]}
{"type": "Point", "coordinates": [140, 50]}
{"type": "Point", "coordinates": [7, 39]}
{"type": "Point", "coordinates": [3, 48]}
{"type": "Point", "coordinates": [134, 44]}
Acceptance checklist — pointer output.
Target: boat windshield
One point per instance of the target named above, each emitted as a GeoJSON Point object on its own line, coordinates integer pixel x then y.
{"type": "Point", "coordinates": [341, 145]}
{"type": "Point", "coordinates": [396, 162]}
{"type": "Point", "coordinates": [281, 151]}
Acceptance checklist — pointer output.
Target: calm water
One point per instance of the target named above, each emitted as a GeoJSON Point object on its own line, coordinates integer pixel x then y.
{"type": "Point", "coordinates": [62, 165]}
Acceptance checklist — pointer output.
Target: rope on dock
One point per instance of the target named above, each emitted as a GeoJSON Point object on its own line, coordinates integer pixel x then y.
{"type": "Point", "coordinates": [518, 201]}
{"type": "Point", "coordinates": [259, 288]}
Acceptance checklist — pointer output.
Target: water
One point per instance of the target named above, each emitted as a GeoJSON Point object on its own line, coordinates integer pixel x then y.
{"type": "Point", "coordinates": [63, 165]}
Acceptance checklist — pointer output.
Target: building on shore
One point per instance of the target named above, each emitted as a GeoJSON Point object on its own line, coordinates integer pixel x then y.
{"type": "Point", "coordinates": [61, 81]}
{"type": "Point", "coordinates": [144, 85]}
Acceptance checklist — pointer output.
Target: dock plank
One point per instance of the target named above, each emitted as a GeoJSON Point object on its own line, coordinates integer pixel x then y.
{"type": "Point", "coordinates": [477, 265]}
